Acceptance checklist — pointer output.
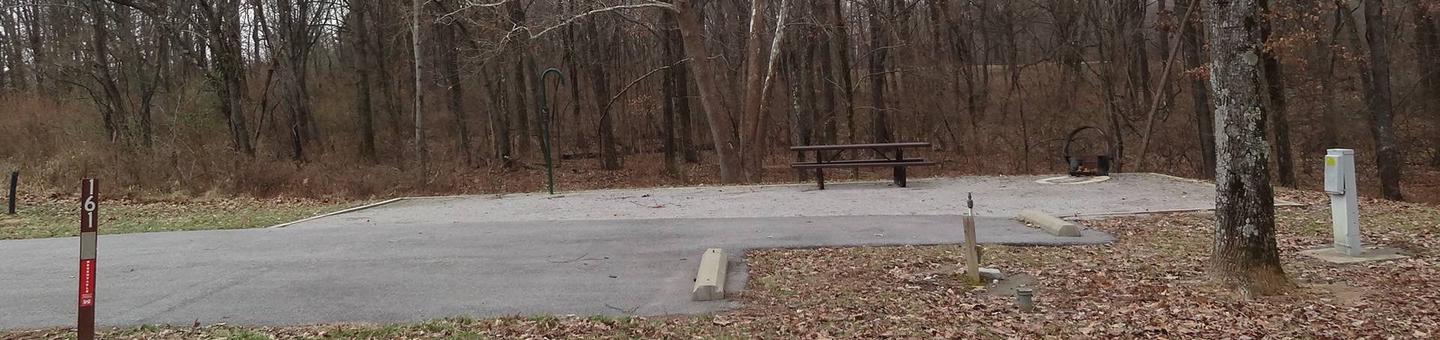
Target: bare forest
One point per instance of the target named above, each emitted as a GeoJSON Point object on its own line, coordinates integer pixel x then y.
{"type": "Point", "coordinates": [356, 98]}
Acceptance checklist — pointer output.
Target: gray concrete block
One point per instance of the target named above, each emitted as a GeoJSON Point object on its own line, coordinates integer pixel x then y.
{"type": "Point", "coordinates": [710, 280]}
{"type": "Point", "coordinates": [1051, 224]}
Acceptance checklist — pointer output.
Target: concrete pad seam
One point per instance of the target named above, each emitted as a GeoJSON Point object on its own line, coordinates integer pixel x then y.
{"type": "Point", "coordinates": [1178, 178]}
{"type": "Point", "coordinates": [333, 213]}
{"type": "Point", "coordinates": [1278, 204]}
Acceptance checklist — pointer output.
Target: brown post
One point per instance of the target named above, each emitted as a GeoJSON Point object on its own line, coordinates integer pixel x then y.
{"type": "Point", "coordinates": [89, 218]}
{"type": "Point", "coordinates": [14, 181]}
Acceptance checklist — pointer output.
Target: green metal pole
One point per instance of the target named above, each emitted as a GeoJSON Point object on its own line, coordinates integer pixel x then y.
{"type": "Point", "coordinates": [545, 126]}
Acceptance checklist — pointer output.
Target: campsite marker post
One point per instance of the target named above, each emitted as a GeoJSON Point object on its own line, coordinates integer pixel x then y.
{"type": "Point", "coordinates": [89, 220]}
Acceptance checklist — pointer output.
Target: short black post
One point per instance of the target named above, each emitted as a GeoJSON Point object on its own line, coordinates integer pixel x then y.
{"type": "Point", "coordinates": [14, 181]}
{"type": "Point", "coordinates": [900, 170]}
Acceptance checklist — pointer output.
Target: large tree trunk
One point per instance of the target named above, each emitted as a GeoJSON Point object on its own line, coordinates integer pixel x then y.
{"type": "Point", "coordinates": [500, 120]}
{"type": "Point", "coordinates": [457, 95]}
{"type": "Point", "coordinates": [364, 59]}
{"type": "Point", "coordinates": [751, 134]}
{"type": "Point", "coordinates": [1140, 77]}
{"type": "Point", "coordinates": [572, 56]}
{"type": "Point", "coordinates": [384, 12]}
{"type": "Point", "coordinates": [420, 152]}
{"type": "Point", "coordinates": [1379, 100]}
{"type": "Point", "coordinates": [1330, 115]}
{"type": "Point", "coordinates": [722, 130]}
{"type": "Point", "coordinates": [879, 123]}
{"type": "Point", "coordinates": [820, 80]}
{"type": "Point", "coordinates": [1108, 77]}
{"type": "Point", "coordinates": [1427, 45]}
{"type": "Point", "coordinates": [600, 83]}
{"type": "Point", "coordinates": [1276, 105]}
{"type": "Point", "coordinates": [1200, 100]}
{"type": "Point", "coordinates": [681, 88]}
{"type": "Point", "coordinates": [1245, 257]}
{"type": "Point", "coordinates": [669, 56]}
{"type": "Point", "coordinates": [840, 51]}
{"type": "Point", "coordinates": [527, 114]}
{"type": "Point", "coordinates": [802, 100]}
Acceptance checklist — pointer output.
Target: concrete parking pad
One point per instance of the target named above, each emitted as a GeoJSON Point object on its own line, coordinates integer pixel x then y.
{"type": "Point", "coordinates": [605, 252]}
{"type": "Point", "coordinates": [994, 196]}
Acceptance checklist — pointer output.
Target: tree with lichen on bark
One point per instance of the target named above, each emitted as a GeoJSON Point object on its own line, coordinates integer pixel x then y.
{"type": "Point", "coordinates": [1244, 255]}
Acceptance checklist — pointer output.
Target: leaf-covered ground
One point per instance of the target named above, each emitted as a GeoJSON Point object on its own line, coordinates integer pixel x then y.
{"type": "Point", "coordinates": [1149, 284]}
{"type": "Point", "coordinates": [39, 217]}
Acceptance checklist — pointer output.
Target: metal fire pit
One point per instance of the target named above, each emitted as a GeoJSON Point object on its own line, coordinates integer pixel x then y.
{"type": "Point", "coordinates": [1088, 165]}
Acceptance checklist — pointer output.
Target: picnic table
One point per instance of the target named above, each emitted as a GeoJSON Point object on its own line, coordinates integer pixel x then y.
{"type": "Point", "coordinates": [891, 155]}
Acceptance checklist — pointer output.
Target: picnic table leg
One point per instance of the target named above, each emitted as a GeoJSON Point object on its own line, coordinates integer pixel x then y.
{"type": "Point", "coordinates": [820, 177]}
{"type": "Point", "coordinates": [900, 170]}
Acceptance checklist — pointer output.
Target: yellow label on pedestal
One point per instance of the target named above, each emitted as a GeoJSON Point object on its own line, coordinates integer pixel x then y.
{"type": "Point", "coordinates": [1330, 161]}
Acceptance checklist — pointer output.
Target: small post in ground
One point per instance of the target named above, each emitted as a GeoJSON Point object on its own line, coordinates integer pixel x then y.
{"type": "Point", "coordinates": [972, 255]}
{"type": "Point", "coordinates": [14, 181]}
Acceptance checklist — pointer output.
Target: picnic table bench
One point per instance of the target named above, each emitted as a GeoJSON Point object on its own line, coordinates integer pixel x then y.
{"type": "Point", "coordinates": [888, 155]}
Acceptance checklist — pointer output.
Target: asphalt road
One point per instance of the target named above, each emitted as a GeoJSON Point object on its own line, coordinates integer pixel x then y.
{"type": "Point", "coordinates": [329, 270]}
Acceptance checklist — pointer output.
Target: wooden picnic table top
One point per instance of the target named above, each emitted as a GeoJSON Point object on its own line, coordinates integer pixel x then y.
{"type": "Point", "coordinates": [860, 146]}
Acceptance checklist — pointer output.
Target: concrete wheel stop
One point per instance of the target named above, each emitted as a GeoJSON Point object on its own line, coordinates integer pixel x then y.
{"type": "Point", "coordinates": [1051, 224]}
{"type": "Point", "coordinates": [710, 280]}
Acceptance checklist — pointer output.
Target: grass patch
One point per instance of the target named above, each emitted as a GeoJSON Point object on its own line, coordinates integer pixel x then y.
{"type": "Point", "coordinates": [57, 218]}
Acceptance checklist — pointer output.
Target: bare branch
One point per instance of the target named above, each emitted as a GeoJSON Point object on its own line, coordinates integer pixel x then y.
{"type": "Point", "coordinates": [774, 50]}
{"type": "Point", "coordinates": [606, 110]}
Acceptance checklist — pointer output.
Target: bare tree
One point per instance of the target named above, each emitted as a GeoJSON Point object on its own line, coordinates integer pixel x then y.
{"type": "Point", "coordinates": [1378, 99]}
{"type": "Point", "coordinates": [456, 91]}
{"type": "Point", "coordinates": [1276, 104]}
{"type": "Point", "coordinates": [1427, 43]}
{"type": "Point", "coordinates": [879, 51]}
{"type": "Point", "coordinates": [600, 78]}
{"type": "Point", "coordinates": [364, 60]}
{"type": "Point", "coordinates": [220, 53]}
{"type": "Point", "coordinates": [297, 27]}
{"type": "Point", "coordinates": [669, 92]}
{"type": "Point", "coordinates": [1200, 97]}
{"type": "Point", "coordinates": [14, 68]}
{"type": "Point", "coordinates": [1244, 256]}
{"type": "Point", "coordinates": [420, 153]}
{"type": "Point", "coordinates": [727, 150]}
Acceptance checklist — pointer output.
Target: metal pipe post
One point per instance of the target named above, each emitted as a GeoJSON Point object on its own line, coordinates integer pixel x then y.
{"type": "Point", "coordinates": [545, 126]}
